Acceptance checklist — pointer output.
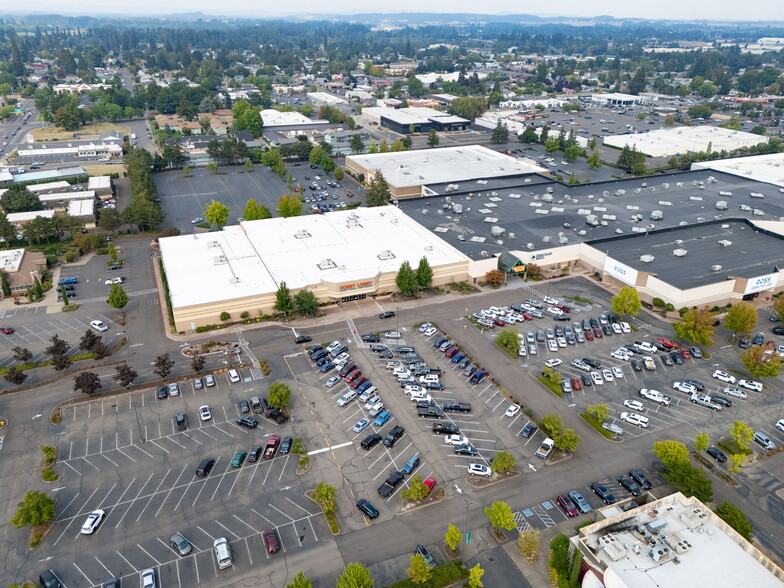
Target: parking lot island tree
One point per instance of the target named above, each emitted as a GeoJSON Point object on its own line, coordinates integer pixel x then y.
{"type": "Point", "coordinates": [61, 362]}
{"type": "Point", "coordinates": [742, 434]}
{"type": "Point", "coordinates": [406, 280]}
{"type": "Point", "coordinates": [679, 471]}
{"type": "Point", "coordinates": [326, 496]}
{"type": "Point", "coordinates": [87, 383]}
{"type": "Point", "coordinates": [289, 205]}
{"type": "Point", "coordinates": [124, 375]}
{"type": "Point", "coordinates": [759, 364]}
{"type": "Point", "coordinates": [255, 211]}
{"type": "Point", "coordinates": [216, 213]}
{"type": "Point", "coordinates": [701, 442]}
{"type": "Point", "coordinates": [117, 297]}
{"type": "Point", "coordinates": [416, 490]}
{"type": "Point", "coordinates": [552, 424]}
{"type": "Point", "coordinates": [528, 543]}
{"type": "Point", "coordinates": [567, 440]}
{"type": "Point", "coordinates": [163, 365]}
{"type": "Point", "coordinates": [452, 537]}
{"type": "Point", "coordinates": [599, 411]}
{"type": "Point", "coordinates": [503, 462]}
{"type": "Point", "coordinates": [22, 354]}
{"type": "Point", "coordinates": [15, 376]}
{"type": "Point", "coordinates": [58, 346]}
{"type": "Point", "coordinates": [419, 571]}
{"type": "Point", "coordinates": [35, 509]}
{"type": "Point", "coordinates": [283, 300]}
{"type": "Point", "coordinates": [88, 340]}
{"type": "Point", "coordinates": [508, 340]}
{"type": "Point", "coordinates": [433, 139]}
{"type": "Point", "coordinates": [741, 318]}
{"type": "Point", "coordinates": [627, 301]}
{"type": "Point", "coordinates": [500, 515]}
{"type": "Point", "coordinates": [355, 575]}
{"type": "Point", "coordinates": [279, 395]}
{"type": "Point", "coordinates": [778, 307]}
{"type": "Point", "coordinates": [197, 363]}
{"type": "Point", "coordinates": [475, 577]}
{"type": "Point", "coordinates": [300, 581]}
{"type": "Point", "coordinates": [697, 326]}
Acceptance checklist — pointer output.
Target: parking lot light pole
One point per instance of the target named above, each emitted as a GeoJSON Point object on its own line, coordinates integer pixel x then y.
{"type": "Point", "coordinates": [466, 532]}
{"type": "Point", "coordinates": [397, 328]}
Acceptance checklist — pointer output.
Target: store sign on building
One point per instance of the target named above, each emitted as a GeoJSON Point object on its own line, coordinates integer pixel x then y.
{"type": "Point", "coordinates": [355, 286]}
{"type": "Point", "coordinates": [620, 271]}
{"type": "Point", "coordinates": [761, 283]}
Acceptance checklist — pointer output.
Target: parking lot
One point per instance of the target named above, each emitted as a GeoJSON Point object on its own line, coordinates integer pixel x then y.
{"type": "Point", "coordinates": [125, 456]}
{"type": "Point", "coordinates": [613, 392]}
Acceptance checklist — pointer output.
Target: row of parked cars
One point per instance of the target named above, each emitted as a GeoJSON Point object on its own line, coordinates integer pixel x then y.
{"type": "Point", "coordinates": [574, 503]}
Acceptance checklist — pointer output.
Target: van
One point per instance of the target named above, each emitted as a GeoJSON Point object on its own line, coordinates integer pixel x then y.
{"type": "Point", "coordinates": [205, 467]}
{"type": "Point", "coordinates": [347, 369]}
{"type": "Point", "coordinates": [48, 579]}
{"type": "Point", "coordinates": [222, 553]}
{"type": "Point", "coordinates": [763, 440]}
{"type": "Point", "coordinates": [347, 397]}
{"type": "Point", "coordinates": [428, 378]}
{"type": "Point", "coordinates": [376, 410]}
{"type": "Point", "coordinates": [68, 281]}
{"type": "Point", "coordinates": [368, 393]}
{"type": "Point", "coordinates": [370, 401]}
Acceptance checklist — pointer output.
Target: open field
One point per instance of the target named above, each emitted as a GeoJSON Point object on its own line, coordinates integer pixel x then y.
{"type": "Point", "coordinates": [90, 131]}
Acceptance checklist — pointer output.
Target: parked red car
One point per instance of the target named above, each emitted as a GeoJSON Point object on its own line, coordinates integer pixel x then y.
{"type": "Point", "coordinates": [430, 483]}
{"type": "Point", "coordinates": [685, 353]}
{"type": "Point", "coordinates": [576, 384]}
{"type": "Point", "coordinates": [668, 344]}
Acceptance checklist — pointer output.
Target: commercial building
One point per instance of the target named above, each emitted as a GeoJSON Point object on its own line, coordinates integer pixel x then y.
{"type": "Point", "coordinates": [20, 219]}
{"type": "Point", "coordinates": [84, 210]}
{"type": "Point", "coordinates": [326, 98]}
{"type": "Point", "coordinates": [60, 200]}
{"type": "Point", "coordinates": [692, 238]}
{"type": "Point", "coordinates": [616, 99]}
{"type": "Point", "coordinates": [680, 140]}
{"type": "Point", "coordinates": [101, 185]}
{"type": "Point", "coordinates": [49, 175]}
{"type": "Point", "coordinates": [421, 120]}
{"type": "Point", "coordinates": [109, 145]}
{"type": "Point", "coordinates": [409, 172]}
{"type": "Point", "coordinates": [341, 140]}
{"type": "Point", "coordinates": [672, 542]}
{"type": "Point", "coordinates": [338, 256]}
{"type": "Point", "coordinates": [762, 168]}
{"type": "Point", "coordinates": [19, 267]}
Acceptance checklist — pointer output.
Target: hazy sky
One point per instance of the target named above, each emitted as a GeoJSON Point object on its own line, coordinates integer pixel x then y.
{"type": "Point", "coordinates": [758, 10]}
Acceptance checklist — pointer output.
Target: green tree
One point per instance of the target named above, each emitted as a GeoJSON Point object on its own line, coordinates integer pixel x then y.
{"type": "Point", "coordinates": [406, 280]}
{"type": "Point", "coordinates": [216, 213]}
{"type": "Point", "coordinates": [742, 433]}
{"type": "Point", "coordinates": [528, 543]}
{"type": "Point", "coordinates": [529, 135]}
{"type": "Point", "coordinates": [225, 316]}
{"type": "Point", "coordinates": [355, 575]}
{"type": "Point", "coordinates": [551, 375]}
{"type": "Point", "coordinates": [255, 211]}
{"type": "Point", "coordinates": [475, 577]}
{"type": "Point", "coordinates": [339, 174]}
{"type": "Point", "coordinates": [306, 303]}
{"type": "Point", "coordinates": [424, 274]}
{"type": "Point", "coordinates": [735, 518]}
{"type": "Point", "coordinates": [247, 117]}
{"type": "Point", "coordinates": [500, 133]}
{"type": "Point", "coordinates": [453, 536]}
{"type": "Point", "coordinates": [670, 451]}
{"type": "Point", "coordinates": [117, 297]}
{"type": "Point", "coordinates": [163, 365]}
{"type": "Point", "coordinates": [552, 424]}
{"type": "Point", "coordinates": [508, 341]}
{"type": "Point", "coordinates": [552, 144]}
{"type": "Point", "coordinates": [109, 219]}
{"type": "Point", "coordinates": [599, 411]}
{"type": "Point", "coordinates": [326, 496]}
{"type": "Point", "coordinates": [356, 144]}
{"type": "Point", "coordinates": [6, 286]}
{"type": "Point", "coordinates": [7, 230]}
{"type": "Point", "coordinates": [283, 300]}
{"type": "Point", "coordinates": [500, 515]}
{"type": "Point", "coordinates": [87, 383]}
{"type": "Point", "coordinates": [289, 205]}
{"type": "Point", "coordinates": [627, 301]}
{"type": "Point", "coordinates": [416, 490]}
{"type": "Point", "coordinates": [378, 192]}
{"type": "Point", "coordinates": [468, 107]}
{"type": "Point", "coordinates": [567, 440]}
{"type": "Point", "coordinates": [778, 307]}
{"type": "Point", "coordinates": [432, 138]}
{"type": "Point", "coordinates": [741, 318]}
{"type": "Point", "coordinates": [697, 326]}
{"type": "Point", "coordinates": [759, 364]}
{"type": "Point", "coordinates": [35, 509]}
{"type": "Point", "coordinates": [736, 462]}
{"type": "Point", "coordinates": [701, 442]}
{"type": "Point", "coordinates": [593, 159]}
{"type": "Point", "coordinates": [572, 152]}
{"type": "Point", "coordinates": [300, 581]}
{"type": "Point", "coordinates": [212, 167]}
{"type": "Point", "coordinates": [503, 462]}
{"type": "Point", "coordinates": [419, 571]}
{"type": "Point", "coordinates": [279, 395]}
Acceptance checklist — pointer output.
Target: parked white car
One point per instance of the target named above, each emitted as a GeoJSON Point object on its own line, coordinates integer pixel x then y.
{"type": "Point", "coordinates": [479, 469]}
{"type": "Point", "coordinates": [551, 363]}
{"type": "Point", "coordinates": [683, 387]}
{"type": "Point", "coordinates": [617, 372]}
{"type": "Point", "coordinates": [204, 413]}
{"type": "Point", "coordinates": [597, 378]}
{"type": "Point", "coordinates": [724, 376]}
{"type": "Point", "coordinates": [736, 392]}
{"type": "Point", "coordinates": [512, 410]}
{"type": "Point", "coordinates": [750, 385]}
{"type": "Point", "coordinates": [99, 326]}
{"type": "Point", "coordinates": [633, 404]}
{"type": "Point", "coordinates": [635, 419]}
{"type": "Point", "coordinates": [608, 375]}
{"type": "Point", "coordinates": [626, 328]}
{"type": "Point", "coordinates": [456, 440]}
{"type": "Point", "coordinates": [618, 354]}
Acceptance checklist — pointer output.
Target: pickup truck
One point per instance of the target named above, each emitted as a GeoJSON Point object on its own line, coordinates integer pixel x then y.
{"type": "Point", "coordinates": [545, 449]}
{"type": "Point", "coordinates": [430, 412]}
{"type": "Point", "coordinates": [390, 484]}
{"type": "Point", "coordinates": [704, 400]}
{"type": "Point", "coordinates": [272, 446]}
{"type": "Point", "coordinates": [452, 406]}
{"type": "Point", "coordinates": [655, 396]}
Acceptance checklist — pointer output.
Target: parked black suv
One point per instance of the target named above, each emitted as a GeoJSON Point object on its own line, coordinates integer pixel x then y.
{"type": "Point", "coordinates": [387, 314]}
{"type": "Point", "coordinates": [641, 480]}
{"type": "Point", "coordinates": [205, 467]}
{"type": "Point", "coordinates": [594, 363]}
{"type": "Point", "coordinates": [182, 421]}
{"type": "Point", "coordinates": [371, 338]}
{"type": "Point", "coordinates": [162, 392]}
{"type": "Point", "coordinates": [368, 509]}
{"type": "Point", "coordinates": [303, 339]}
{"type": "Point", "coordinates": [603, 493]}
{"type": "Point", "coordinates": [393, 436]}
{"type": "Point", "coordinates": [629, 485]}
{"type": "Point", "coordinates": [248, 421]}
{"type": "Point", "coordinates": [528, 430]}
{"type": "Point", "coordinates": [370, 441]}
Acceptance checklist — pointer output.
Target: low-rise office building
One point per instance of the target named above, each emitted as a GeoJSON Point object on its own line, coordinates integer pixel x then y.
{"type": "Point", "coordinates": [681, 140]}
{"type": "Point", "coordinates": [19, 266]}
{"type": "Point", "coordinates": [339, 256]}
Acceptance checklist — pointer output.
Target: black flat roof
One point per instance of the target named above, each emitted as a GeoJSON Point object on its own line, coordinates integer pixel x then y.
{"type": "Point", "coordinates": [542, 213]}
{"type": "Point", "coordinates": [753, 252]}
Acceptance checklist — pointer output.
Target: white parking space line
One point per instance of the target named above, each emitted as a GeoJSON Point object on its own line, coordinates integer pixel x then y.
{"type": "Point", "coordinates": [299, 507]}
{"type": "Point", "coordinates": [283, 469]}
{"type": "Point", "coordinates": [263, 517]}
{"type": "Point", "coordinates": [103, 566]}
{"type": "Point", "coordinates": [155, 492]}
{"type": "Point", "coordinates": [83, 574]}
{"type": "Point", "coordinates": [87, 461]}
{"type": "Point", "coordinates": [130, 503]}
{"type": "Point", "coordinates": [74, 469]}
{"type": "Point", "coordinates": [212, 539]}
{"type": "Point", "coordinates": [227, 529]}
{"type": "Point", "coordinates": [246, 524]}
{"type": "Point", "coordinates": [159, 446]}
{"type": "Point", "coordinates": [149, 554]}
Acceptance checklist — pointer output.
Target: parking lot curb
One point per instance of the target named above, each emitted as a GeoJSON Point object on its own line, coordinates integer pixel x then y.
{"type": "Point", "coordinates": [432, 500]}
{"type": "Point", "coordinates": [472, 480]}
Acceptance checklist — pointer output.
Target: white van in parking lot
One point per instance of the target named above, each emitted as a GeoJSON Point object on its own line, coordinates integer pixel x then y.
{"type": "Point", "coordinates": [347, 397]}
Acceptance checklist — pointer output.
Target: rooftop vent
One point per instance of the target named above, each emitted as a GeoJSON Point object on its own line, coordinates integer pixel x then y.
{"type": "Point", "coordinates": [303, 234]}
{"type": "Point", "coordinates": [716, 268]}
{"type": "Point", "coordinates": [219, 260]}
{"type": "Point", "coordinates": [326, 264]}
{"type": "Point", "coordinates": [386, 255]}
{"type": "Point", "coordinates": [725, 243]}
{"type": "Point", "coordinates": [647, 258]}
{"type": "Point", "coordinates": [679, 252]}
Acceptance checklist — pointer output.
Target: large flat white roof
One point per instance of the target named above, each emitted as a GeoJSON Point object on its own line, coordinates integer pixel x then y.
{"type": "Point", "coordinates": [275, 118]}
{"type": "Point", "coordinates": [99, 182]}
{"type": "Point", "coordinates": [680, 140]}
{"type": "Point", "coordinates": [255, 257]}
{"type": "Point", "coordinates": [21, 217]}
{"type": "Point", "coordinates": [449, 164]}
{"type": "Point", "coordinates": [11, 259]}
{"type": "Point", "coordinates": [48, 186]}
{"type": "Point", "coordinates": [639, 548]}
{"type": "Point", "coordinates": [78, 195]}
{"type": "Point", "coordinates": [762, 168]}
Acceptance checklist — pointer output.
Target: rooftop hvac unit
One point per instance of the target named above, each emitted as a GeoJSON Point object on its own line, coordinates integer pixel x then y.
{"type": "Point", "coordinates": [757, 212]}
{"type": "Point", "coordinates": [716, 268]}
{"type": "Point", "coordinates": [757, 195]}
{"type": "Point", "coordinates": [725, 243]}
{"type": "Point", "coordinates": [460, 238]}
{"type": "Point", "coordinates": [679, 252]}
{"type": "Point", "coordinates": [511, 235]}
{"type": "Point", "coordinates": [548, 198]}
{"type": "Point", "coordinates": [547, 238]}
{"type": "Point", "coordinates": [679, 241]}
{"type": "Point", "coordinates": [497, 231]}
{"type": "Point", "coordinates": [499, 242]}
{"type": "Point", "coordinates": [529, 246]}
{"type": "Point", "coordinates": [647, 258]}
{"type": "Point", "coordinates": [665, 186]}
{"type": "Point", "coordinates": [484, 254]}
{"type": "Point", "coordinates": [212, 244]}
{"type": "Point", "coordinates": [582, 232]}
{"type": "Point", "coordinates": [656, 215]}
{"type": "Point", "coordinates": [563, 240]}
{"type": "Point", "coordinates": [619, 231]}
{"type": "Point", "coordinates": [721, 205]}
{"type": "Point", "coordinates": [234, 280]}
{"type": "Point", "coordinates": [550, 189]}
{"type": "Point", "coordinates": [745, 207]}
{"type": "Point", "coordinates": [725, 226]}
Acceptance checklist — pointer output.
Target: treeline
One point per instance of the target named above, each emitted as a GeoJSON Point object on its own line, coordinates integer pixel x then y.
{"type": "Point", "coordinates": [144, 210]}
